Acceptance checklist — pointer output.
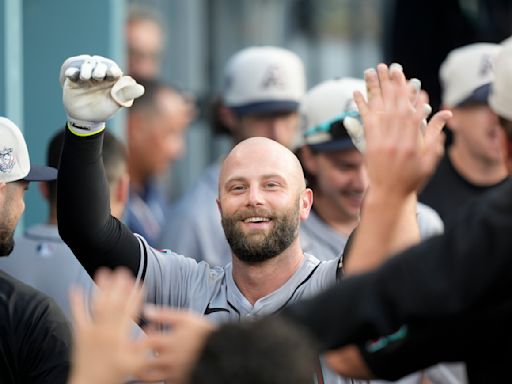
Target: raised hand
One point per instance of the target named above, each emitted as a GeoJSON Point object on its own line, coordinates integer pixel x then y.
{"type": "Point", "coordinates": [103, 351]}
{"type": "Point", "coordinates": [399, 156]}
{"type": "Point", "coordinates": [178, 346]}
{"type": "Point", "coordinates": [94, 89]}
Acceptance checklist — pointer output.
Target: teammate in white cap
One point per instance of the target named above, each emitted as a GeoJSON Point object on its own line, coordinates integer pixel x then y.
{"type": "Point", "coordinates": [41, 259]}
{"type": "Point", "coordinates": [34, 335]}
{"type": "Point", "coordinates": [335, 170]}
{"type": "Point", "coordinates": [475, 161]}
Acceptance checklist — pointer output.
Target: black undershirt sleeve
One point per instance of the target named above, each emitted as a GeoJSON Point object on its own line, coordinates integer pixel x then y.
{"type": "Point", "coordinates": [83, 209]}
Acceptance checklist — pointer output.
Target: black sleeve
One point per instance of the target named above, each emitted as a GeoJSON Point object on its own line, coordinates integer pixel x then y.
{"type": "Point", "coordinates": [83, 209]}
{"type": "Point", "coordinates": [467, 269]}
{"type": "Point", "coordinates": [415, 347]}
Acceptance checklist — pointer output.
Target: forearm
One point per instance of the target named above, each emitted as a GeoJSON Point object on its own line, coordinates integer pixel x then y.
{"type": "Point", "coordinates": [387, 226]}
{"type": "Point", "coordinates": [83, 208]}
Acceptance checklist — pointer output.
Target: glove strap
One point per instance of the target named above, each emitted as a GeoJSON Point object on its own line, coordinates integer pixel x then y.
{"type": "Point", "coordinates": [85, 128]}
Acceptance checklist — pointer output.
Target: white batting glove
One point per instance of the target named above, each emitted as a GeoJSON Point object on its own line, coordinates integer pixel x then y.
{"type": "Point", "coordinates": [355, 127]}
{"type": "Point", "coordinates": [94, 89]}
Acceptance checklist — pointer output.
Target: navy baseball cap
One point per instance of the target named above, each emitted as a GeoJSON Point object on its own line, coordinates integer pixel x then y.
{"type": "Point", "coordinates": [41, 173]}
{"type": "Point", "coordinates": [14, 159]}
{"type": "Point", "coordinates": [324, 110]}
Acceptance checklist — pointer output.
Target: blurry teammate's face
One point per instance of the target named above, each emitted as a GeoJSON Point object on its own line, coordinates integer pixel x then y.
{"type": "Point", "coordinates": [145, 45]}
{"type": "Point", "coordinates": [11, 209]}
{"type": "Point", "coordinates": [341, 181]}
{"type": "Point", "coordinates": [262, 199]}
{"type": "Point", "coordinates": [477, 129]}
{"type": "Point", "coordinates": [281, 127]}
{"type": "Point", "coordinates": [157, 138]}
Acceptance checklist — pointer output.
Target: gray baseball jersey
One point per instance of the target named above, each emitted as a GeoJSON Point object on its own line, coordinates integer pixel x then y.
{"type": "Point", "coordinates": [320, 239]}
{"type": "Point", "coordinates": [42, 260]}
{"type": "Point", "coordinates": [174, 280]}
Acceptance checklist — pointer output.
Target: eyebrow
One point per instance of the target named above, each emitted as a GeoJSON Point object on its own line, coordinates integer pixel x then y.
{"type": "Point", "coordinates": [263, 177]}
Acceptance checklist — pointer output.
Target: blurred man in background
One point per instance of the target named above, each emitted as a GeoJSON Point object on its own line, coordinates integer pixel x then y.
{"type": "Point", "coordinates": [35, 338]}
{"type": "Point", "coordinates": [475, 162]}
{"type": "Point", "coordinates": [157, 125]}
{"type": "Point", "coordinates": [41, 259]}
{"type": "Point", "coordinates": [262, 90]}
{"type": "Point", "coordinates": [145, 41]}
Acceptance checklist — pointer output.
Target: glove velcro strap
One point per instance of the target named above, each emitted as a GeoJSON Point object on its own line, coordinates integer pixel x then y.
{"type": "Point", "coordinates": [85, 128]}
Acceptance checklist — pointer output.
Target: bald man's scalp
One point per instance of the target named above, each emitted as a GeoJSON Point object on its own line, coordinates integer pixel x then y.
{"type": "Point", "coordinates": [268, 146]}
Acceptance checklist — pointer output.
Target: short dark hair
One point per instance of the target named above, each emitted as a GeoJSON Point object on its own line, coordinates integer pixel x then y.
{"type": "Point", "coordinates": [267, 351]}
{"type": "Point", "coordinates": [114, 158]}
{"type": "Point", "coordinates": [152, 88]}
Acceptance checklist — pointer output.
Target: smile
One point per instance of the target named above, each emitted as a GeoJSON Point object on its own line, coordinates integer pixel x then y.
{"type": "Point", "coordinates": [256, 220]}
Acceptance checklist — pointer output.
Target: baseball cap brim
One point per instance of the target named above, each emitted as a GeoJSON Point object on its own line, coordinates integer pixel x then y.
{"type": "Point", "coordinates": [41, 173]}
{"type": "Point", "coordinates": [266, 107]}
{"type": "Point", "coordinates": [478, 96]}
{"type": "Point", "coordinates": [334, 145]}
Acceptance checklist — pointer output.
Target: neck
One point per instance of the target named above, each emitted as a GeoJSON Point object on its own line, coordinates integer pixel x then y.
{"type": "Point", "coordinates": [257, 280]}
{"type": "Point", "coordinates": [340, 221]}
{"type": "Point", "coordinates": [475, 170]}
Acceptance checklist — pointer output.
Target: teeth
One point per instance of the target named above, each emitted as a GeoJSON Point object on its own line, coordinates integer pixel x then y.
{"type": "Point", "coordinates": [256, 219]}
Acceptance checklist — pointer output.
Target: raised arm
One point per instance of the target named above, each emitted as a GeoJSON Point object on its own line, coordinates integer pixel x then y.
{"type": "Point", "coordinates": [464, 271]}
{"type": "Point", "coordinates": [399, 159]}
{"type": "Point", "coordinates": [93, 91]}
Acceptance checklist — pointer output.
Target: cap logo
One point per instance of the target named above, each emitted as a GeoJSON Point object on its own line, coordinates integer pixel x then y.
{"type": "Point", "coordinates": [273, 78]}
{"type": "Point", "coordinates": [485, 66]}
{"type": "Point", "coordinates": [6, 160]}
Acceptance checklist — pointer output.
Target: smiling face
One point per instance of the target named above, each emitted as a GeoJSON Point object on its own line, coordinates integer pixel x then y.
{"type": "Point", "coordinates": [340, 182]}
{"type": "Point", "coordinates": [262, 198]}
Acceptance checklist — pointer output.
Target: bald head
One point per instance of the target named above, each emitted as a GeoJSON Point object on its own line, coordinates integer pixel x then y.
{"type": "Point", "coordinates": [261, 157]}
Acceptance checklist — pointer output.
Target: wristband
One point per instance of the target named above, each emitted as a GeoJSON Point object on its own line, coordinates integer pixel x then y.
{"type": "Point", "coordinates": [85, 128]}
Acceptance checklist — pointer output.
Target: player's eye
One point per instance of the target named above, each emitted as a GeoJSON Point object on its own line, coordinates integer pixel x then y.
{"type": "Point", "coordinates": [271, 185]}
{"type": "Point", "coordinates": [237, 188]}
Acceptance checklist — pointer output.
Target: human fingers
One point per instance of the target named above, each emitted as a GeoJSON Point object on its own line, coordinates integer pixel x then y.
{"type": "Point", "coordinates": [78, 308]}
{"type": "Point", "coordinates": [373, 89]}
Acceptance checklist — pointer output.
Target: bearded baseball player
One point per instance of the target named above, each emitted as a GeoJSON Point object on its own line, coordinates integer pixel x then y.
{"type": "Point", "coordinates": [262, 199]}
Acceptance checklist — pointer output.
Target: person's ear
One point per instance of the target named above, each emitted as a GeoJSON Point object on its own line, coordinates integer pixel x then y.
{"type": "Point", "coordinates": [306, 201]}
{"type": "Point", "coordinates": [123, 188]}
{"type": "Point", "coordinates": [219, 205]}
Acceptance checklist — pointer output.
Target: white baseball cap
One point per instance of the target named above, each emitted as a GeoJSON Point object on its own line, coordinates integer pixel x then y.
{"type": "Point", "coordinates": [264, 80]}
{"type": "Point", "coordinates": [467, 73]}
{"type": "Point", "coordinates": [500, 98]}
{"type": "Point", "coordinates": [323, 111]}
{"type": "Point", "coordinates": [14, 158]}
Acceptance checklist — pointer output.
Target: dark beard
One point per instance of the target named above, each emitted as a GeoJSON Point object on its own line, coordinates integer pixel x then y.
{"type": "Point", "coordinates": [249, 250]}
{"type": "Point", "coordinates": [6, 243]}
